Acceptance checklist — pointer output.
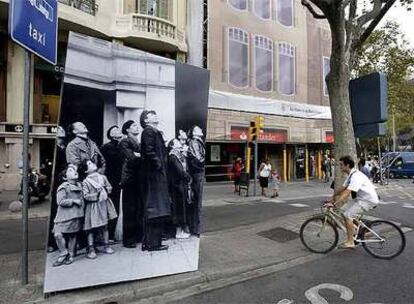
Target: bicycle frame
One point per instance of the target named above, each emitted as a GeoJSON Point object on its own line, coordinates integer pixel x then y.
{"type": "Point", "coordinates": [338, 219]}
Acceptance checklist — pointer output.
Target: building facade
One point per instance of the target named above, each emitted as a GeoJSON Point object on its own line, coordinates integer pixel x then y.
{"type": "Point", "coordinates": [267, 58]}
{"type": "Point", "coordinates": [156, 26]}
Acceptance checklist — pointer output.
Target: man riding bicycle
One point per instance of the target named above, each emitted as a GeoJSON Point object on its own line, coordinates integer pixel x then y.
{"type": "Point", "coordinates": [364, 195]}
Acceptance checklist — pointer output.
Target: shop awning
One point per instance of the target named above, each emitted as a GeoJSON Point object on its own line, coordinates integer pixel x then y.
{"type": "Point", "coordinates": [236, 102]}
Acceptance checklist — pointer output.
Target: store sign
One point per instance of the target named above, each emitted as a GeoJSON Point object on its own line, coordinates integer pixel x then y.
{"type": "Point", "coordinates": [52, 129]}
{"type": "Point", "coordinates": [16, 128]}
{"type": "Point", "coordinates": [329, 137]}
{"type": "Point", "coordinates": [268, 135]}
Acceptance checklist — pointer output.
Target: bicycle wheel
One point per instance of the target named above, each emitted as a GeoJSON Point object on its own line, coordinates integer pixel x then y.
{"type": "Point", "coordinates": [390, 244]}
{"type": "Point", "coordinates": [318, 234]}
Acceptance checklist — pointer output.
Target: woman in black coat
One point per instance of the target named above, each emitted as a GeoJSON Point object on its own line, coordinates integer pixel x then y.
{"type": "Point", "coordinates": [130, 183]}
{"type": "Point", "coordinates": [157, 202]}
{"type": "Point", "coordinates": [179, 185]}
{"type": "Point", "coordinates": [114, 159]}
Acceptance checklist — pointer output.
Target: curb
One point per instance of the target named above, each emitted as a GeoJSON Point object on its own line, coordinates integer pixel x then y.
{"type": "Point", "coordinates": [176, 290]}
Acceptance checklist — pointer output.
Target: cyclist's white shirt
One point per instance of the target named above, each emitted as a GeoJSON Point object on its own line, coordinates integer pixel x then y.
{"type": "Point", "coordinates": [367, 196]}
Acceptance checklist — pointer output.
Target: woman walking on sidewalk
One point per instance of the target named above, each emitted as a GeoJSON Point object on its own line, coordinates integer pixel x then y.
{"type": "Point", "coordinates": [264, 174]}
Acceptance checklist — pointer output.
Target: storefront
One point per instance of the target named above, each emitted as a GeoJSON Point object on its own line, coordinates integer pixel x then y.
{"type": "Point", "coordinates": [293, 161]}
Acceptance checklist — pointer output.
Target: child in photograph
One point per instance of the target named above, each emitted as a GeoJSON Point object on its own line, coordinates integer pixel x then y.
{"type": "Point", "coordinates": [274, 183]}
{"type": "Point", "coordinates": [99, 208]}
{"type": "Point", "coordinates": [69, 216]}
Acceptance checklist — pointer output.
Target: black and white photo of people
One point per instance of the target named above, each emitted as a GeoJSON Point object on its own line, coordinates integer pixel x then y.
{"type": "Point", "coordinates": [128, 183]}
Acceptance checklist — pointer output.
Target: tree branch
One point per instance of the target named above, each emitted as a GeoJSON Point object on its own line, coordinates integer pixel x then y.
{"type": "Point", "coordinates": [370, 15]}
{"type": "Point", "coordinates": [376, 19]}
{"type": "Point", "coordinates": [312, 10]}
{"type": "Point", "coordinates": [350, 22]}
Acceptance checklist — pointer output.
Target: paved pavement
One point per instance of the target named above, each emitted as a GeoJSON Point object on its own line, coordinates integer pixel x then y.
{"type": "Point", "coordinates": [235, 245]}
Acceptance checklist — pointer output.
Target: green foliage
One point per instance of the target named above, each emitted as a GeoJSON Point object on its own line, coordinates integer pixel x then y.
{"type": "Point", "coordinates": [387, 51]}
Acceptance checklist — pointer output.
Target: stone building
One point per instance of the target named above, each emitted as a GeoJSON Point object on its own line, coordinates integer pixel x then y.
{"type": "Point", "coordinates": [267, 58]}
{"type": "Point", "coordinates": [156, 26]}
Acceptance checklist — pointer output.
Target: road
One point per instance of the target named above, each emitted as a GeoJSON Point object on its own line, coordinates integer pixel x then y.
{"type": "Point", "coordinates": [354, 273]}
{"type": "Point", "coordinates": [362, 278]}
{"type": "Point", "coordinates": [398, 205]}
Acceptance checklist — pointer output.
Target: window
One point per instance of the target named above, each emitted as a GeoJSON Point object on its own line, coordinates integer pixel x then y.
{"type": "Point", "coordinates": [262, 8]}
{"type": "Point", "coordinates": [238, 4]}
{"type": "Point", "coordinates": [263, 63]}
{"type": "Point", "coordinates": [238, 57]}
{"type": "Point", "coordinates": [326, 69]}
{"type": "Point", "coordinates": [285, 12]}
{"type": "Point", "coordinates": [286, 69]}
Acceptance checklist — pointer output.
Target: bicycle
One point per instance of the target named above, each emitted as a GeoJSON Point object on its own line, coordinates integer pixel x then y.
{"type": "Point", "coordinates": [319, 234]}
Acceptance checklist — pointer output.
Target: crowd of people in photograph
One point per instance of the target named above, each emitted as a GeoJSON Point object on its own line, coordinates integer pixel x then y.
{"type": "Point", "coordinates": [138, 191]}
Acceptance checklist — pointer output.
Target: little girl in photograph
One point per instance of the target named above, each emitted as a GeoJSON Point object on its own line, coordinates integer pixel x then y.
{"type": "Point", "coordinates": [69, 216]}
{"type": "Point", "coordinates": [99, 208]}
{"type": "Point", "coordinates": [274, 183]}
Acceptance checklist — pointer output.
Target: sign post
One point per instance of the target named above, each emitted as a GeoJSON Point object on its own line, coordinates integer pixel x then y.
{"type": "Point", "coordinates": [33, 25]}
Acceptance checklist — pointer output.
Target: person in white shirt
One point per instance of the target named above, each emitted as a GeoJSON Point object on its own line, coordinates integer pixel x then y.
{"type": "Point", "coordinates": [363, 193]}
{"type": "Point", "coordinates": [264, 174]}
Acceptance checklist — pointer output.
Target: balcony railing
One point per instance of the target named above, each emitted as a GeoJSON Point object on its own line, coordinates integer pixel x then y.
{"type": "Point", "coordinates": [143, 24]}
{"type": "Point", "coordinates": [87, 6]}
{"type": "Point", "coordinates": [151, 24]}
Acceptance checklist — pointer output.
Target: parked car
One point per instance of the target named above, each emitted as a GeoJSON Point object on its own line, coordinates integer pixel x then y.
{"type": "Point", "coordinates": [401, 164]}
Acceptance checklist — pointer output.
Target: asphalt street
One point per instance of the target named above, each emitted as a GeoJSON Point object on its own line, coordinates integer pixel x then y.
{"type": "Point", "coordinates": [354, 274]}
{"type": "Point", "coordinates": [234, 213]}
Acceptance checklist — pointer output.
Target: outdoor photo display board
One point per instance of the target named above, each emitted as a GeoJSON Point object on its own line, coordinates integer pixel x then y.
{"type": "Point", "coordinates": [129, 167]}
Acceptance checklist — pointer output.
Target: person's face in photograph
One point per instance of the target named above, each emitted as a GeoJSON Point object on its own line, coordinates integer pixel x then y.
{"type": "Point", "coordinates": [182, 136]}
{"type": "Point", "coordinates": [116, 134]}
{"type": "Point", "coordinates": [152, 120]}
{"type": "Point", "coordinates": [91, 167]}
{"type": "Point", "coordinates": [133, 129]}
{"type": "Point", "coordinates": [71, 174]}
{"type": "Point", "coordinates": [177, 145]}
{"type": "Point", "coordinates": [80, 130]}
{"type": "Point", "coordinates": [198, 132]}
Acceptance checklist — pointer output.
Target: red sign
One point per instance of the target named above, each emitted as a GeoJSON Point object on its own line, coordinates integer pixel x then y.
{"type": "Point", "coordinates": [267, 135]}
{"type": "Point", "coordinates": [329, 137]}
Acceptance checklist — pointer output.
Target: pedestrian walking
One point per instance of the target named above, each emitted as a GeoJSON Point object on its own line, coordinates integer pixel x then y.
{"type": "Point", "coordinates": [264, 174]}
{"type": "Point", "coordinates": [274, 183]}
{"type": "Point", "coordinates": [236, 170]}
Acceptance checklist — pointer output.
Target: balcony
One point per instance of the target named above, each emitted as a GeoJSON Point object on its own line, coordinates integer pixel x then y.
{"type": "Point", "coordinates": [150, 27]}
{"type": "Point", "coordinates": [87, 6]}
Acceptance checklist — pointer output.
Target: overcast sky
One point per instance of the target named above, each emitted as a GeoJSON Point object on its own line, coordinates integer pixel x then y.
{"type": "Point", "coordinates": [405, 19]}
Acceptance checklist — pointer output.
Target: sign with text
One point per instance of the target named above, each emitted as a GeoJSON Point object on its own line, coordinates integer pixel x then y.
{"type": "Point", "coordinates": [33, 25]}
{"type": "Point", "coordinates": [329, 137]}
{"type": "Point", "coordinates": [268, 135]}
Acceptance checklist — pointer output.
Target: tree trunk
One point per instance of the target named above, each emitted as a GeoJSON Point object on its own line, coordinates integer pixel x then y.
{"type": "Point", "coordinates": [338, 86]}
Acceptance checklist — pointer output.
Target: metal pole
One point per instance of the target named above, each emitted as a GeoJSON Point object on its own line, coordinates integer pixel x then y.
{"type": "Point", "coordinates": [25, 207]}
{"type": "Point", "coordinates": [255, 167]}
{"type": "Point", "coordinates": [379, 160]}
{"type": "Point", "coordinates": [394, 136]}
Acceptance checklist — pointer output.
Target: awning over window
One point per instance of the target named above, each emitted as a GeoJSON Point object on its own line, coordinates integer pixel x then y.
{"type": "Point", "coordinates": [230, 101]}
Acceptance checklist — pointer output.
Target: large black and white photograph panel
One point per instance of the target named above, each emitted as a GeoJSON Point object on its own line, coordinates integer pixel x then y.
{"type": "Point", "coordinates": [129, 167]}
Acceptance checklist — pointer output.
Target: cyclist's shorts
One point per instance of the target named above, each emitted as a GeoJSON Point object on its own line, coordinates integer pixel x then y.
{"type": "Point", "coordinates": [353, 210]}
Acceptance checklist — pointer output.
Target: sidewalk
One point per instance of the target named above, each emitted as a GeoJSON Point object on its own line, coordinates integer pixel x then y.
{"type": "Point", "coordinates": [223, 255]}
{"type": "Point", "coordinates": [226, 256]}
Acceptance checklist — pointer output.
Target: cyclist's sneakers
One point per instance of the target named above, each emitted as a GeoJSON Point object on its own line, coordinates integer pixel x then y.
{"type": "Point", "coordinates": [346, 246]}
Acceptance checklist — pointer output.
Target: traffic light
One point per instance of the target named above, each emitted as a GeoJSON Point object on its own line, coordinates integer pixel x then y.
{"type": "Point", "coordinates": [252, 136]}
{"type": "Point", "coordinates": [259, 125]}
